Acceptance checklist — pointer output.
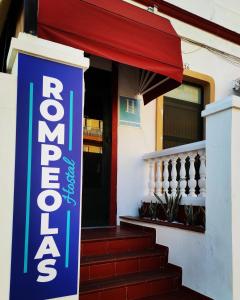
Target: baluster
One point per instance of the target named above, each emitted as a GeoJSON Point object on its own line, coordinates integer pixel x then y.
{"type": "Point", "coordinates": [192, 181]}
{"type": "Point", "coordinates": [165, 176]}
{"type": "Point", "coordinates": [159, 178]}
{"type": "Point", "coordinates": [202, 173]}
{"type": "Point", "coordinates": [173, 182]}
{"type": "Point", "coordinates": [183, 181]}
{"type": "Point", "coordinates": [151, 183]}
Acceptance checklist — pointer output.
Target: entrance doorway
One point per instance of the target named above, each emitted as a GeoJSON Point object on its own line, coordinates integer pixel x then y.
{"type": "Point", "coordinates": [97, 148]}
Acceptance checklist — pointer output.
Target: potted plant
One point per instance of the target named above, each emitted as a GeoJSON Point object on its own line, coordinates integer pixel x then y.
{"type": "Point", "coordinates": [194, 217]}
{"type": "Point", "coordinates": [153, 210]}
{"type": "Point", "coordinates": [171, 206]}
{"type": "Point", "coordinates": [143, 210]}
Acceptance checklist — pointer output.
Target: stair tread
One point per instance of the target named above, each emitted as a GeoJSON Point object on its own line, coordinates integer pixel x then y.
{"type": "Point", "coordinates": [90, 235]}
{"type": "Point", "coordinates": [130, 279]}
{"type": "Point", "coordinates": [183, 293]}
{"type": "Point", "coordinates": [164, 283]}
{"type": "Point", "coordinates": [85, 260]}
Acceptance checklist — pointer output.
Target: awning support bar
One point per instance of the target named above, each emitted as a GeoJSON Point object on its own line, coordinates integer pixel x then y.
{"type": "Point", "coordinates": [155, 85]}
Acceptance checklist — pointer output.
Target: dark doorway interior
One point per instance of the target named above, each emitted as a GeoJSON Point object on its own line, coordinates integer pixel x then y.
{"type": "Point", "coordinates": [97, 148]}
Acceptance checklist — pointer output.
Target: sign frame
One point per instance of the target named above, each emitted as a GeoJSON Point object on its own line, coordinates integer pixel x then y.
{"type": "Point", "coordinates": [29, 88]}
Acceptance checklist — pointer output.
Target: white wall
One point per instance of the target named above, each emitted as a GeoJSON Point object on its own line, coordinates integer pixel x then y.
{"type": "Point", "coordinates": [205, 259]}
{"type": "Point", "coordinates": [204, 269]}
{"type": "Point", "coordinates": [132, 144]}
{"type": "Point", "coordinates": [8, 100]}
{"type": "Point", "coordinates": [222, 12]}
{"type": "Point", "coordinates": [223, 72]}
{"type": "Point", "coordinates": [200, 59]}
{"type": "Point", "coordinates": [190, 250]}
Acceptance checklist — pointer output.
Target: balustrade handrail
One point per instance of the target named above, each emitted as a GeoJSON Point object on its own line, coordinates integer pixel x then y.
{"type": "Point", "coordinates": [176, 150]}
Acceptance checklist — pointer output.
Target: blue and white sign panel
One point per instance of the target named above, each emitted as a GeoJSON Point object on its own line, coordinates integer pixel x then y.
{"type": "Point", "coordinates": [46, 218]}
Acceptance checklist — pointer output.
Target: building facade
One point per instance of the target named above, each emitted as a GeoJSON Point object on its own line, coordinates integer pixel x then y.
{"type": "Point", "coordinates": [185, 138]}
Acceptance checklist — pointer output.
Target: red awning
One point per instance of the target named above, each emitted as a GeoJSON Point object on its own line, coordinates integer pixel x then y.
{"type": "Point", "coordinates": [118, 31]}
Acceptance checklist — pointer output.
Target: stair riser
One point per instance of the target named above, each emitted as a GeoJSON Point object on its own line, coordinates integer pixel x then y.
{"type": "Point", "coordinates": [91, 248]}
{"type": "Point", "coordinates": [136, 291]}
{"type": "Point", "coordinates": [122, 267]}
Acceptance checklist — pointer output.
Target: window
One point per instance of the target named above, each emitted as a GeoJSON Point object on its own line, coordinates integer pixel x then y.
{"type": "Point", "coordinates": [179, 119]}
{"type": "Point", "coordinates": [131, 107]}
{"type": "Point", "coordinates": [182, 122]}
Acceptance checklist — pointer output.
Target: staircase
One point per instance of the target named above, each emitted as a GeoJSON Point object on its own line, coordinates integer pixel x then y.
{"type": "Point", "coordinates": [125, 264]}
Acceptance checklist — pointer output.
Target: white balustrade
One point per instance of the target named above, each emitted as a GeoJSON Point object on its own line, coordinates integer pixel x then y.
{"type": "Point", "coordinates": [192, 172]}
{"type": "Point", "coordinates": [151, 183]}
{"type": "Point", "coordinates": [173, 182]}
{"type": "Point", "coordinates": [202, 173]}
{"type": "Point", "coordinates": [180, 169]}
{"type": "Point", "coordinates": [165, 176]}
{"type": "Point", "coordinates": [183, 180]}
{"type": "Point", "coordinates": [159, 177]}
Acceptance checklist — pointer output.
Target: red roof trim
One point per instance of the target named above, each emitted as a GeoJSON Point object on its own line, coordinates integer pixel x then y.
{"type": "Point", "coordinates": [194, 20]}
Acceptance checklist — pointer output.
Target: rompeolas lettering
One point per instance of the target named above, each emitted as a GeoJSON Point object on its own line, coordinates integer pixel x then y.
{"type": "Point", "coordinates": [51, 142]}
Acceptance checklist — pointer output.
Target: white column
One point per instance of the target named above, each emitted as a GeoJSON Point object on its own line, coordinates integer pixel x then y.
{"type": "Point", "coordinates": [165, 175]}
{"type": "Point", "coordinates": [151, 183]}
{"type": "Point", "coordinates": [159, 177]}
{"type": "Point", "coordinates": [223, 201]}
{"type": "Point", "coordinates": [174, 182]}
{"type": "Point", "coordinates": [202, 173]}
{"type": "Point", "coordinates": [183, 181]}
{"type": "Point", "coordinates": [192, 172]}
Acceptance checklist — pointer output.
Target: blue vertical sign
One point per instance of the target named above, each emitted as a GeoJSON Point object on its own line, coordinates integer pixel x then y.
{"type": "Point", "coordinates": [46, 218]}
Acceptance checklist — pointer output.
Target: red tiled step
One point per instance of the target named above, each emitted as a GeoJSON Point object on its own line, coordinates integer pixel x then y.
{"type": "Point", "coordinates": [111, 233]}
{"type": "Point", "coordinates": [133, 286]}
{"type": "Point", "coordinates": [182, 294]}
{"type": "Point", "coordinates": [112, 265]}
{"type": "Point", "coordinates": [114, 241]}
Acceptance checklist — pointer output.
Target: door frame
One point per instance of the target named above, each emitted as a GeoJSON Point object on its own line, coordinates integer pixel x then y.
{"type": "Point", "coordinates": [114, 146]}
